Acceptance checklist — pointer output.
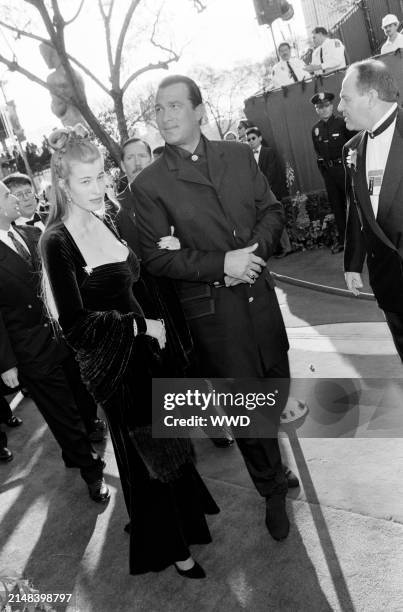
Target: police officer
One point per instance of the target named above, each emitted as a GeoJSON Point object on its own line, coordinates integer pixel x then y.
{"type": "Point", "coordinates": [328, 136]}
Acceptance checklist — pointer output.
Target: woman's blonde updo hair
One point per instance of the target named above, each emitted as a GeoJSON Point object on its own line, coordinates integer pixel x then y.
{"type": "Point", "coordinates": [69, 144]}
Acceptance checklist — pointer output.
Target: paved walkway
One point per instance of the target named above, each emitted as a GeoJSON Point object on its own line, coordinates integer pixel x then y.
{"type": "Point", "coordinates": [345, 549]}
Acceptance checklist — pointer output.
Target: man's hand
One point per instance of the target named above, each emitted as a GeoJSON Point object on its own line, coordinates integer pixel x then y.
{"type": "Point", "coordinates": [243, 265]}
{"type": "Point", "coordinates": [353, 282]}
{"type": "Point", "coordinates": [10, 378]}
{"type": "Point", "coordinates": [230, 281]}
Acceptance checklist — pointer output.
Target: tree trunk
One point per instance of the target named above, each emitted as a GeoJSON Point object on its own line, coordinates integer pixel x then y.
{"type": "Point", "coordinates": [108, 142]}
{"type": "Point", "coordinates": [120, 115]}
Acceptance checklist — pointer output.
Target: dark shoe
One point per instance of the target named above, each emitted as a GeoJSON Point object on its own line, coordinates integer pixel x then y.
{"type": "Point", "coordinates": [223, 442]}
{"type": "Point", "coordinates": [127, 528]}
{"type": "Point", "coordinates": [276, 517]}
{"type": "Point", "coordinates": [98, 431]}
{"type": "Point", "coordinates": [98, 490]}
{"type": "Point", "coordinates": [5, 454]}
{"type": "Point", "coordinates": [14, 421]}
{"type": "Point", "coordinates": [292, 479]}
{"type": "Point", "coordinates": [194, 572]}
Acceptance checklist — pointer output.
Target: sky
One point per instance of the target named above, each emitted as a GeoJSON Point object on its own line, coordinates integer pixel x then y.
{"type": "Point", "coordinates": [223, 35]}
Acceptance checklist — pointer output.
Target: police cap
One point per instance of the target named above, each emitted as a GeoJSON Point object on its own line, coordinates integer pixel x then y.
{"type": "Point", "coordinates": [320, 98]}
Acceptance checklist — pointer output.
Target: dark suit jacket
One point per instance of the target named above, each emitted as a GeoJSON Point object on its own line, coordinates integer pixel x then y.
{"type": "Point", "coordinates": [237, 331]}
{"type": "Point", "coordinates": [379, 240]}
{"type": "Point", "coordinates": [26, 338]}
{"type": "Point", "coordinates": [270, 164]}
{"type": "Point", "coordinates": [125, 220]}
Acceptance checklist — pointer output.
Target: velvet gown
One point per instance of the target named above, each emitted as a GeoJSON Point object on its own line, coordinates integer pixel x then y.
{"type": "Point", "coordinates": [96, 310]}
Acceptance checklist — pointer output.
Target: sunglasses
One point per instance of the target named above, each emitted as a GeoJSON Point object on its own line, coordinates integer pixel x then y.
{"type": "Point", "coordinates": [252, 138]}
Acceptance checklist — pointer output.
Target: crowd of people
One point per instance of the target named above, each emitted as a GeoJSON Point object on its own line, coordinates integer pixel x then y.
{"type": "Point", "coordinates": [102, 292]}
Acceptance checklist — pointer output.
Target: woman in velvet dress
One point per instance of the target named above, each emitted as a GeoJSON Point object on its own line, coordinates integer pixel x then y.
{"type": "Point", "coordinates": [90, 282]}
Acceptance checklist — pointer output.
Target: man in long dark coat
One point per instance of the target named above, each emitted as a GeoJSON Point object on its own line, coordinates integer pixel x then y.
{"type": "Point", "coordinates": [228, 223]}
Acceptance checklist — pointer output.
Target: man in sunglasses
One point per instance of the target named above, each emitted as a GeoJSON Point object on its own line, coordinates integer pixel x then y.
{"type": "Point", "coordinates": [329, 135]}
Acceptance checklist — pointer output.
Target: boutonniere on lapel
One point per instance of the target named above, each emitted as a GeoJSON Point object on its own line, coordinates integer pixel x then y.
{"type": "Point", "coordinates": [351, 159]}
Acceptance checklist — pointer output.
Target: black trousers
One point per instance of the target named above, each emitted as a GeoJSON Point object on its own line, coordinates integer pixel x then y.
{"type": "Point", "coordinates": [55, 401]}
{"type": "Point", "coordinates": [83, 399]}
{"type": "Point", "coordinates": [395, 324]}
{"type": "Point", "coordinates": [262, 455]}
{"type": "Point", "coordinates": [5, 410]}
{"type": "Point", "coordinates": [3, 438]}
{"type": "Point", "coordinates": [336, 191]}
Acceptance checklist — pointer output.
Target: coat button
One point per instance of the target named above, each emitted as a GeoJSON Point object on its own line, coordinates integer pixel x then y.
{"type": "Point", "coordinates": [216, 283]}
{"type": "Point", "coordinates": [29, 305]}
{"type": "Point", "coordinates": [251, 299]}
{"type": "Point", "coordinates": [46, 325]}
{"type": "Point", "coordinates": [234, 233]}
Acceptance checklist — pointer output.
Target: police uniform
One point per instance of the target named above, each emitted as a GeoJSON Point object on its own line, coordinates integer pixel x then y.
{"type": "Point", "coordinates": [328, 139]}
{"type": "Point", "coordinates": [330, 55]}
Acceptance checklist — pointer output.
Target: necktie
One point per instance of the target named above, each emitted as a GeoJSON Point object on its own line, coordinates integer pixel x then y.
{"type": "Point", "coordinates": [22, 252]}
{"type": "Point", "coordinates": [292, 73]}
{"type": "Point", "coordinates": [321, 55]}
{"type": "Point", "coordinates": [384, 126]}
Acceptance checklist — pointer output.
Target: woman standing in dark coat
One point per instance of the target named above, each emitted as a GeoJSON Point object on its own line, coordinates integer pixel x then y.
{"type": "Point", "coordinates": [91, 279]}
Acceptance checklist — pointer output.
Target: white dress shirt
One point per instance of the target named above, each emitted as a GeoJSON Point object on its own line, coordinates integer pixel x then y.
{"type": "Point", "coordinates": [256, 153]}
{"type": "Point", "coordinates": [388, 46]}
{"type": "Point", "coordinates": [7, 240]}
{"type": "Point", "coordinates": [332, 53]}
{"type": "Point", "coordinates": [281, 73]}
{"type": "Point", "coordinates": [377, 156]}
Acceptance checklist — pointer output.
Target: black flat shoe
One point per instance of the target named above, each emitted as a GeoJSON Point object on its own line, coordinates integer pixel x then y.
{"type": "Point", "coordinates": [14, 421]}
{"type": "Point", "coordinates": [98, 491]}
{"type": "Point", "coordinates": [223, 442]}
{"type": "Point", "coordinates": [5, 454]}
{"type": "Point", "coordinates": [194, 572]}
{"type": "Point", "coordinates": [277, 521]}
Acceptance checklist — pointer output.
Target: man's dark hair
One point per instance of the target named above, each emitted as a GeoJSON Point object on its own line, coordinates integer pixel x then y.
{"type": "Point", "coordinates": [253, 130]}
{"type": "Point", "coordinates": [373, 74]}
{"type": "Point", "coordinates": [284, 44]}
{"type": "Point", "coordinates": [320, 30]}
{"type": "Point", "coordinates": [129, 141]}
{"type": "Point", "coordinates": [17, 178]}
{"type": "Point", "coordinates": [193, 89]}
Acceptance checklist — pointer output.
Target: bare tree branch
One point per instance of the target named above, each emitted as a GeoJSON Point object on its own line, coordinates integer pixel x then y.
{"type": "Point", "coordinates": [175, 56]}
{"type": "Point", "coordinates": [199, 6]}
{"type": "Point", "coordinates": [120, 43]}
{"type": "Point", "coordinates": [159, 66]}
{"type": "Point", "coordinates": [106, 18]}
{"type": "Point", "coordinates": [76, 15]}
{"type": "Point", "coordinates": [14, 66]}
